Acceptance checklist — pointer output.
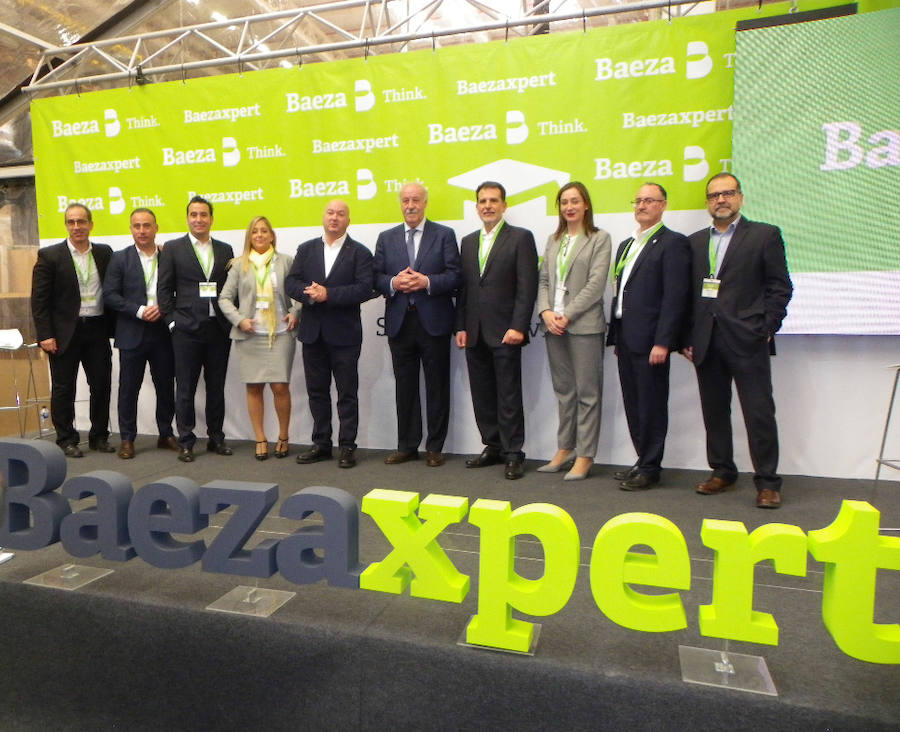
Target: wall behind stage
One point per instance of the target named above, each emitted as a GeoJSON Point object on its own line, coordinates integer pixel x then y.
{"type": "Point", "coordinates": [611, 107]}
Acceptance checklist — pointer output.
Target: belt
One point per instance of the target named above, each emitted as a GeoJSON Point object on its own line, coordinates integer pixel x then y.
{"type": "Point", "coordinates": [89, 318]}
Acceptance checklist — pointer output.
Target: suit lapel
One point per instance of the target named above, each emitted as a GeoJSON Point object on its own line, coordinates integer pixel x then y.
{"type": "Point", "coordinates": [646, 252]}
{"type": "Point", "coordinates": [339, 260]}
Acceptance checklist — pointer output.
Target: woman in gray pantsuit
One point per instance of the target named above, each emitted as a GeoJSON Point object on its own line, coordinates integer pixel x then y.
{"type": "Point", "coordinates": [255, 302]}
{"type": "Point", "coordinates": [570, 301]}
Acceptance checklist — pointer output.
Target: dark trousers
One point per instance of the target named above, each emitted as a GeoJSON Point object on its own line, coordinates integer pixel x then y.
{"type": "Point", "coordinates": [206, 348]}
{"type": "Point", "coordinates": [90, 348]}
{"type": "Point", "coordinates": [155, 349]}
{"type": "Point", "coordinates": [752, 377]}
{"type": "Point", "coordinates": [495, 381]}
{"type": "Point", "coordinates": [645, 395]}
{"type": "Point", "coordinates": [410, 347]}
{"type": "Point", "coordinates": [321, 361]}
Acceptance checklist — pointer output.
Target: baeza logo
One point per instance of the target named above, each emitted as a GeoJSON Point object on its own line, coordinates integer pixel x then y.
{"type": "Point", "coordinates": [364, 97]}
{"type": "Point", "coordinates": [112, 124]}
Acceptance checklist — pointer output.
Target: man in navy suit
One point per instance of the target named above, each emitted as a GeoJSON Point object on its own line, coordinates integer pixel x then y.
{"type": "Point", "coordinates": [130, 288]}
{"type": "Point", "coordinates": [331, 276]}
{"type": "Point", "coordinates": [493, 318]}
{"type": "Point", "coordinates": [651, 271]}
{"type": "Point", "coordinates": [741, 289]}
{"type": "Point", "coordinates": [417, 270]}
{"type": "Point", "coordinates": [73, 328]}
{"type": "Point", "coordinates": [191, 275]}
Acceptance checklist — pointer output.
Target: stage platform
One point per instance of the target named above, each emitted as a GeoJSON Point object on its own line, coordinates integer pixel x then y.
{"type": "Point", "coordinates": [138, 650]}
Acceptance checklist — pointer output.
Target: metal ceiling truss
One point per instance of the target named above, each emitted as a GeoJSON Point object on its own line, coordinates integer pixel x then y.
{"type": "Point", "coordinates": [134, 59]}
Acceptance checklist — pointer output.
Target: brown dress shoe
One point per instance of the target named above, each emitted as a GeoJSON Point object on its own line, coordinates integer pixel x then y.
{"type": "Point", "coordinates": [395, 458]}
{"type": "Point", "coordinates": [168, 443]}
{"type": "Point", "coordinates": [714, 485]}
{"type": "Point", "coordinates": [767, 498]}
{"type": "Point", "coordinates": [434, 459]}
{"type": "Point", "coordinates": [126, 450]}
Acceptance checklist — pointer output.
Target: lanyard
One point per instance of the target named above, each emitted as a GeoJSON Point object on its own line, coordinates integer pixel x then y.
{"type": "Point", "coordinates": [84, 278]}
{"type": "Point", "coordinates": [713, 255]}
{"type": "Point", "coordinates": [564, 257]}
{"type": "Point", "coordinates": [261, 281]}
{"type": "Point", "coordinates": [208, 264]}
{"type": "Point", "coordinates": [628, 255]}
{"type": "Point", "coordinates": [148, 278]}
{"type": "Point", "coordinates": [484, 251]}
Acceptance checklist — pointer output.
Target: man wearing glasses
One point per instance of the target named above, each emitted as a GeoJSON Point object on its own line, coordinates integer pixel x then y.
{"type": "Point", "coordinates": [741, 289]}
{"type": "Point", "coordinates": [73, 328]}
{"type": "Point", "coordinates": [650, 301]}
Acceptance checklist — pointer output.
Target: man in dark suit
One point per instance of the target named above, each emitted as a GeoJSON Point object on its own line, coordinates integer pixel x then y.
{"type": "Point", "coordinates": [130, 288]}
{"type": "Point", "coordinates": [741, 289]}
{"type": "Point", "coordinates": [331, 276]}
{"type": "Point", "coordinates": [191, 275]}
{"type": "Point", "coordinates": [493, 318]}
{"type": "Point", "coordinates": [417, 270]}
{"type": "Point", "coordinates": [650, 302]}
{"type": "Point", "coordinates": [73, 328]}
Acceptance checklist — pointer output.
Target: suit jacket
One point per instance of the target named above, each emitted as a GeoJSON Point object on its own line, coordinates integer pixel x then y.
{"type": "Point", "coordinates": [238, 297]}
{"type": "Point", "coordinates": [179, 276]}
{"type": "Point", "coordinates": [503, 296]}
{"type": "Point", "coordinates": [754, 291]}
{"type": "Point", "coordinates": [349, 283]}
{"type": "Point", "coordinates": [437, 258]}
{"type": "Point", "coordinates": [125, 291]}
{"type": "Point", "coordinates": [585, 282]}
{"type": "Point", "coordinates": [55, 295]}
{"type": "Point", "coordinates": [656, 295]}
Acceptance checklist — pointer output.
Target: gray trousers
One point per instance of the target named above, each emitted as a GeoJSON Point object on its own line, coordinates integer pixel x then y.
{"type": "Point", "coordinates": [576, 368]}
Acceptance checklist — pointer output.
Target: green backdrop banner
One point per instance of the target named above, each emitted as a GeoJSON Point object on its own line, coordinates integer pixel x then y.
{"type": "Point", "coordinates": [612, 107]}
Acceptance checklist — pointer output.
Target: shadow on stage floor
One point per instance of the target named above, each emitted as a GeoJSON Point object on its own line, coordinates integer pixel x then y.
{"type": "Point", "coordinates": [137, 649]}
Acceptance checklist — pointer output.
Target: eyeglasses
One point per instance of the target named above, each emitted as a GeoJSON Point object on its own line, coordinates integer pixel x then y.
{"type": "Point", "coordinates": [77, 222]}
{"type": "Point", "coordinates": [648, 201]}
{"type": "Point", "coordinates": [727, 195]}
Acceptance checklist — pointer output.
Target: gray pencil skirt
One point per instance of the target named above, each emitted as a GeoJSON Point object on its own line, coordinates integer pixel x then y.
{"type": "Point", "coordinates": [263, 365]}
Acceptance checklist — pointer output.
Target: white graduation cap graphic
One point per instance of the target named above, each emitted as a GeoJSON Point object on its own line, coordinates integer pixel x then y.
{"type": "Point", "coordinates": [517, 178]}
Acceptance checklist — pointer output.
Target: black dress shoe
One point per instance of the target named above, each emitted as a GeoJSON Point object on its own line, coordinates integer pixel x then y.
{"type": "Point", "coordinates": [487, 457]}
{"type": "Point", "coordinates": [347, 459]}
{"type": "Point", "coordinates": [514, 470]}
{"type": "Point", "coordinates": [73, 451]}
{"type": "Point", "coordinates": [626, 474]}
{"type": "Point", "coordinates": [639, 482]}
{"type": "Point", "coordinates": [314, 455]}
{"type": "Point", "coordinates": [220, 448]}
{"type": "Point", "coordinates": [395, 458]}
{"type": "Point", "coordinates": [101, 446]}
{"type": "Point", "coordinates": [186, 455]}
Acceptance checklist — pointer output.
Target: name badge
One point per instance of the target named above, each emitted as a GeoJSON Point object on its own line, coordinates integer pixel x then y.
{"type": "Point", "coordinates": [207, 289]}
{"type": "Point", "coordinates": [88, 299]}
{"type": "Point", "coordinates": [710, 287]}
{"type": "Point", "coordinates": [262, 303]}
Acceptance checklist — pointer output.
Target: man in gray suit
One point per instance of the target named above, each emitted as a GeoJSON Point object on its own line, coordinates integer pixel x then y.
{"type": "Point", "coordinates": [141, 333]}
{"type": "Point", "coordinates": [493, 319]}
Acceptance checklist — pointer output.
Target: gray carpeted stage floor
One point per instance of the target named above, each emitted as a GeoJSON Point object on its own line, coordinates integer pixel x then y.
{"type": "Point", "coordinates": [138, 650]}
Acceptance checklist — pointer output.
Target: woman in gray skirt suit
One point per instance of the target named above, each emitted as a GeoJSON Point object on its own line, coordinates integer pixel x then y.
{"type": "Point", "coordinates": [570, 302]}
{"type": "Point", "coordinates": [255, 302]}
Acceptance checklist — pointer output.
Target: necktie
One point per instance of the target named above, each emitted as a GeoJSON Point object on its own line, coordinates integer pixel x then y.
{"type": "Point", "coordinates": [411, 247]}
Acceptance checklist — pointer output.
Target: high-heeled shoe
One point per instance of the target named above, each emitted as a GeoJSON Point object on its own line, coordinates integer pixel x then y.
{"type": "Point", "coordinates": [554, 467]}
{"type": "Point", "coordinates": [581, 469]}
{"type": "Point", "coordinates": [282, 447]}
{"type": "Point", "coordinates": [262, 454]}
